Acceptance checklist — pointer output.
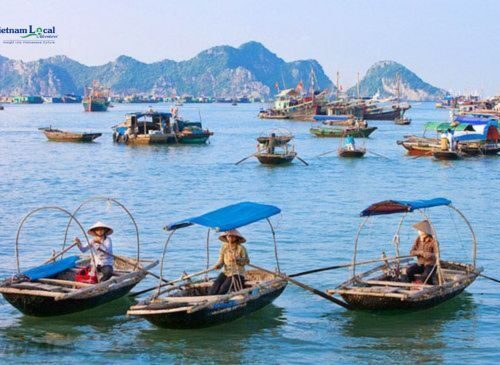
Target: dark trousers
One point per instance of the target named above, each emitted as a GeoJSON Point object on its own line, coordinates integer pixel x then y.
{"type": "Point", "coordinates": [106, 272]}
{"type": "Point", "coordinates": [223, 283]}
{"type": "Point", "coordinates": [424, 270]}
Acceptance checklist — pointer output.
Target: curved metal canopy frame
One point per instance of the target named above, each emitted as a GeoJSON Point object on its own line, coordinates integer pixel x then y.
{"type": "Point", "coordinates": [109, 200]}
{"type": "Point", "coordinates": [438, 265]}
{"type": "Point", "coordinates": [36, 211]}
{"type": "Point", "coordinates": [160, 280]}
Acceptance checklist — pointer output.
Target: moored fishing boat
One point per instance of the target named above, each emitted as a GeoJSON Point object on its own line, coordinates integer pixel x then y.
{"type": "Point", "coordinates": [96, 98]}
{"type": "Point", "coordinates": [338, 132]}
{"type": "Point", "coordinates": [145, 128]}
{"type": "Point", "coordinates": [191, 132]}
{"type": "Point", "coordinates": [63, 136]}
{"type": "Point", "coordinates": [387, 286]}
{"type": "Point", "coordinates": [63, 285]}
{"type": "Point", "coordinates": [188, 305]}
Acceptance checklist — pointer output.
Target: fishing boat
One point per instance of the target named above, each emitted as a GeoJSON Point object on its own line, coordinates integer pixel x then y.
{"type": "Point", "coordinates": [143, 128]}
{"type": "Point", "coordinates": [386, 286]}
{"type": "Point", "coordinates": [188, 305]}
{"type": "Point", "coordinates": [191, 132]}
{"type": "Point", "coordinates": [96, 98]}
{"type": "Point", "coordinates": [58, 135]}
{"type": "Point", "coordinates": [276, 158]}
{"type": "Point", "coordinates": [446, 155]}
{"type": "Point", "coordinates": [63, 286]}
{"type": "Point", "coordinates": [338, 132]}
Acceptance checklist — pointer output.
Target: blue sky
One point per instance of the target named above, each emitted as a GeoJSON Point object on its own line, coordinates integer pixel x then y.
{"type": "Point", "coordinates": [451, 44]}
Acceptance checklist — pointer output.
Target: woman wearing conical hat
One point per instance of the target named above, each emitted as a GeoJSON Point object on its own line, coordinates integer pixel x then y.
{"type": "Point", "coordinates": [232, 260]}
{"type": "Point", "coordinates": [424, 249]}
{"type": "Point", "coordinates": [103, 248]}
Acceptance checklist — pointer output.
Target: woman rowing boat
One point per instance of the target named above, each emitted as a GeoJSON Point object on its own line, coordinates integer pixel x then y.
{"type": "Point", "coordinates": [232, 259]}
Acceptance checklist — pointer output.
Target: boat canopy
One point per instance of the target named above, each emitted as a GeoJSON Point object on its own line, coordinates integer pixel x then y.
{"type": "Point", "coordinates": [402, 206]}
{"type": "Point", "coordinates": [443, 127]}
{"type": "Point", "coordinates": [230, 217]}
{"type": "Point", "coordinates": [150, 114]}
{"type": "Point", "coordinates": [331, 117]}
{"type": "Point", "coordinates": [475, 120]}
{"type": "Point", "coordinates": [287, 92]}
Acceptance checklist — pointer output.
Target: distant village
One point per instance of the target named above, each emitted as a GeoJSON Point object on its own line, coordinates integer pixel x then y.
{"type": "Point", "coordinates": [149, 99]}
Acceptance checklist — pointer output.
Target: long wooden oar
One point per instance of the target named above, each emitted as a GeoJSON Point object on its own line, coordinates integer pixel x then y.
{"type": "Point", "coordinates": [327, 153]}
{"type": "Point", "coordinates": [346, 265]}
{"type": "Point", "coordinates": [490, 278]}
{"type": "Point", "coordinates": [182, 278]}
{"type": "Point", "coordinates": [61, 253]}
{"type": "Point", "coordinates": [301, 160]}
{"type": "Point", "coordinates": [304, 286]}
{"type": "Point", "coordinates": [377, 154]}
{"type": "Point", "coordinates": [244, 159]}
{"type": "Point", "coordinates": [131, 263]}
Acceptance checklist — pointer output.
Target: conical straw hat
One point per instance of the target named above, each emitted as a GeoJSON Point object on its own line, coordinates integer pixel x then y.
{"type": "Point", "coordinates": [424, 226]}
{"type": "Point", "coordinates": [99, 224]}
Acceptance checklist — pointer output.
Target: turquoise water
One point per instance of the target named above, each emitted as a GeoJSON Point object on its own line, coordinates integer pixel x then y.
{"type": "Point", "coordinates": [320, 206]}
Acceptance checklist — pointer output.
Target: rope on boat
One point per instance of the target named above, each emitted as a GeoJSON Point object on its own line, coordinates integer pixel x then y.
{"type": "Point", "coordinates": [47, 208]}
{"type": "Point", "coordinates": [109, 201]}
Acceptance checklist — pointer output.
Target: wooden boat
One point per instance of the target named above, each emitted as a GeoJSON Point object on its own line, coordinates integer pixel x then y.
{"type": "Point", "coordinates": [58, 135]}
{"type": "Point", "coordinates": [419, 146]}
{"type": "Point", "coordinates": [356, 153]}
{"type": "Point", "coordinates": [275, 158]}
{"type": "Point", "coordinates": [271, 114]}
{"type": "Point", "coordinates": [55, 287]}
{"type": "Point", "coordinates": [357, 132]}
{"type": "Point", "coordinates": [187, 305]}
{"type": "Point", "coordinates": [144, 128]}
{"type": "Point", "coordinates": [96, 98]}
{"type": "Point", "coordinates": [446, 155]}
{"type": "Point", "coordinates": [386, 287]}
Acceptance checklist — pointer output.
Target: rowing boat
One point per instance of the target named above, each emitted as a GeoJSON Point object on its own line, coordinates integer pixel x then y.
{"type": "Point", "coordinates": [62, 286]}
{"type": "Point", "coordinates": [356, 153]}
{"type": "Point", "coordinates": [188, 304]}
{"type": "Point", "coordinates": [386, 287]}
{"type": "Point", "coordinates": [58, 135]}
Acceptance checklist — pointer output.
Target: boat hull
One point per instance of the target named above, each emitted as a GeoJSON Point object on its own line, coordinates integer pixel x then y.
{"type": "Point", "coordinates": [95, 105]}
{"type": "Point", "coordinates": [275, 159]}
{"type": "Point", "coordinates": [38, 306]}
{"type": "Point", "coordinates": [71, 137]}
{"type": "Point", "coordinates": [351, 154]}
{"type": "Point", "coordinates": [194, 138]}
{"type": "Point", "coordinates": [339, 133]}
{"type": "Point", "coordinates": [446, 155]}
{"type": "Point", "coordinates": [216, 314]}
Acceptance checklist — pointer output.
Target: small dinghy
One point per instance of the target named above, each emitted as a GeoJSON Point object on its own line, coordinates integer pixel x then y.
{"type": "Point", "coordinates": [387, 287]}
{"type": "Point", "coordinates": [58, 135]}
{"type": "Point", "coordinates": [357, 153]}
{"type": "Point", "coordinates": [446, 155]}
{"type": "Point", "coordinates": [63, 285]}
{"type": "Point", "coordinates": [188, 304]}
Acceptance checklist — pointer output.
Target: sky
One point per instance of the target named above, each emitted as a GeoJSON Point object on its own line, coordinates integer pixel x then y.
{"type": "Point", "coordinates": [450, 44]}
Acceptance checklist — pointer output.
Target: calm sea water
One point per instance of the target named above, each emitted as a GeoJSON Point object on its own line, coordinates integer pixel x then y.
{"type": "Point", "coordinates": [320, 206]}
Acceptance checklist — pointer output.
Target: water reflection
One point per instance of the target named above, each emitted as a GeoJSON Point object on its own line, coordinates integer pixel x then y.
{"type": "Point", "coordinates": [226, 343]}
{"type": "Point", "coordinates": [409, 336]}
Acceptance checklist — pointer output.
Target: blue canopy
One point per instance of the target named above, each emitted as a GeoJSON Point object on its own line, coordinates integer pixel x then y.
{"type": "Point", "coordinates": [230, 217]}
{"type": "Point", "coordinates": [401, 206]}
{"type": "Point", "coordinates": [51, 269]}
{"type": "Point", "coordinates": [476, 120]}
{"type": "Point", "coordinates": [330, 117]}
